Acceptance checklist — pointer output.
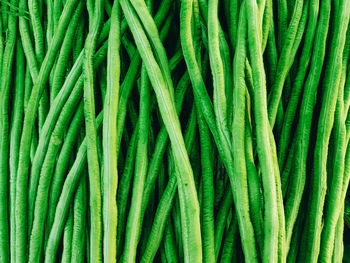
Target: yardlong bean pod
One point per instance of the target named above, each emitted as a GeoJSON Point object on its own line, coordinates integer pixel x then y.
{"type": "Point", "coordinates": [253, 96]}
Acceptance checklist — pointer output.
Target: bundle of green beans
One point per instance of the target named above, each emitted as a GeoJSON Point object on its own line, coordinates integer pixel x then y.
{"type": "Point", "coordinates": [174, 131]}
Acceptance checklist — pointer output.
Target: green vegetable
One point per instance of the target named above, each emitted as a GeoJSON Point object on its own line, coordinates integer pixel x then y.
{"type": "Point", "coordinates": [174, 131]}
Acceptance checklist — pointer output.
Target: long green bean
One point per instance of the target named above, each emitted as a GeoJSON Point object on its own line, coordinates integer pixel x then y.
{"type": "Point", "coordinates": [332, 75]}
{"type": "Point", "coordinates": [110, 177]}
{"type": "Point", "coordinates": [6, 69]}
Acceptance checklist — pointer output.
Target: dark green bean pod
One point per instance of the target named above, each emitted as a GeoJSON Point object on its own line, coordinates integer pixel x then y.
{"type": "Point", "coordinates": [325, 124]}
{"type": "Point", "coordinates": [6, 70]}
{"type": "Point", "coordinates": [229, 248]}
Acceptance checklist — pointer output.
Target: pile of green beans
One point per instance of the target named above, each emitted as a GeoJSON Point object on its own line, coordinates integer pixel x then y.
{"type": "Point", "coordinates": [174, 131]}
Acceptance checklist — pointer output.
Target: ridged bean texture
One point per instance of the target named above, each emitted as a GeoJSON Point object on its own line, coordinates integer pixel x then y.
{"type": "Point", "coordinates": [174, 131]}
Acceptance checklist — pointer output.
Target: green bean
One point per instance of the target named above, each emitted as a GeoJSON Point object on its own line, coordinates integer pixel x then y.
{"type": "Point", "coordinates": [141, 164]}
{"type": "Point", "coordinates": [161, 141]}
{"type": "Point", "coordinates": [284, 62]}
{"type": "Point", "coordinates": [15, 133]}
{"type": "Point", "coordinates": [196, 164]}
{"type": "Point", "coordinates": [6, 69]}
{"type": "Point", "coordinates": [78, 39]}
{"type": "Point", "coordinates": [194, 71]}
{"type": "Point", "coordinates": [338, 252]}
{"type": "Point", "coordinates": [282, 19]}
{"type": "Point", "coordinates": [189, 202]}
{"type": "Point", "coordinates": [124, 184]}
{"type": "Point", "coordinates": [168, 247]}
{"type": "Point", "coordinates": [133, 70]}
{"type": "Point", "coordinates": [204, 104]}
{"type": "Point", "coordinates": [238, 125]}
{"type": "Point", "coordinates": [67, 192]}
{"type": "Point", "coordinates": [254, 179]}
{"type": "Point", "coordinates": [333, 205]}
{"type": "Point", "coordinates": [295, 240]}
{"type": "Point", "coordinates": [110, 178]}
{"type": "Point", "coordinates": [196, 31]}
{"type": "Point", "coordinates": [304, 124]}
{"type": "Point", "coordinates": [29, 52]}
{"type": "Point", "coordinates": [272, 59]}
{"type": "Point", "coordinates": [169, 243]}
{"type": "Point", "coordinates": [62, 163]}
{"type": "Point", "coordinates": [229, 248]}
{"type": "Point", "coordinates": [271, 54]}
{"type": "Point", "coordinates": [11, 6]}
{"type": "Point", "coordinates": [221, 219]}
{"type": "Point", "coordinates": [2, 44]}
{"type": "Point", "coordinates": [122, 194]}
{"type": "Point", "coordinates": [38, 32]}
{"type": "Point", "coordinates": [177, 226]}
{"type": "Point", "coordinates": [287, 169]}
{"type": "Point", "coordinates": [87, 234]}
{"type": "Point", "coordinates": [95, 21]}
{"type": "Point", "coordinates": [338, 231]}
{"type": "Point", "coordinates": [249, 103]}
{"type": "Point", "coordinates": [49, 29]}
{"type": "Point", "coordinates": [163, 210]}
{"type": "Point", "coordinates": [148, 219]}
{"type": "Point", "coordinates": [41, 204]}
{"type": "Point", "coordinates": [48, 127]}
{"type": "Point", "coordinates": [208, 190]}
{"type": "Point", "coordinates": [160, 145]}
{"type": "Point", "coordinates": [298, 82]}
{"type": "Point", "coordinates": [60, 5]}
{"type": "Point", "coordinates": [108, 7]}
{"type": "Point", "coordinates": [125, 90]}
{"type": "Point", "coordinates": [266, 23]}
{"type": "Point", "coordinates": [79, 213]}
{"type": "Point", "coordinates": [261, 7]}
{"type": "Point", "coordinates": [162, 255]}
{"type": "Point", "coordinates": [126, 177]}
{"type": "Point", "coordinates": [61, 64]}
{"type": "Point", "coordinates": [232, 18]}
{"type": "Point", "coordinates": [226, 61]}
{"type": "Point", "coordinates": [166, 202]}
{"type": "Point", "coordinates": [55, 141]}
{"type": "Point", "coordinates": [219, 181]}
{"type": "Point", "coordinates": [225, 57]}
{"type": "Point", "coordinates": [263, 144]}
{"type": "Point", "coordinates": [43, 109]}
{"type": "Point", "coordinates": [347, 123]}
{"type": "Point", "coordinates": [27, 42]}
{"type": "Point", "coordinates": [27, 90]}
{"type": "Point", "coordinates": [220, 105]}
{"type": "Point", "coordinates": [298, 38]}
{"type": "Point", "coordinates": [280, 208]}
{"type": "Point", "coordinates": [67, 238]}
{"type": "Point", "coordinates": [28, 122]}
{"type": "Point", "coordinates": [346, 178]}
{"type": "Point", "coordinates": [289, 65]}
{"type": "Point", "coordinates": [45, 134]}
{"type": "Point", "coordinates": [325, 123]}
{"type": "Point", "coordinates": [123, 190]}
{"type": "Point", "coordinates": [103, 84]}
{"type": "Point", "coordinates": [347, 81]}
{"type": "Point", "coordinates": [152, 32]}
{"type": "Point", "coordinates": [254, 182]}
{"type": "Point", "coordinates": [4, 15]}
